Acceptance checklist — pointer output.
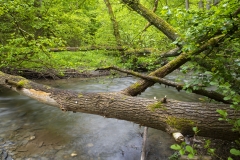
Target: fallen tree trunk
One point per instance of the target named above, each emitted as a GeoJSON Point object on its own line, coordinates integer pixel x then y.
{"type": "Point", "coordinates": [208, 93]}
{"type": "Point", "coordinates": [87, 48]}
{"type": "Point", "coordinates": [167, 116]}
{"type": "Point", "coordinates": [127, 51]}
{"type": "Point", "coordinates": [152, 18]}
{"type": "Point", "coordinates": [180, 60]}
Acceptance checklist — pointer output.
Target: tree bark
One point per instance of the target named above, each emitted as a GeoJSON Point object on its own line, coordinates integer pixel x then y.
{"type": "Point", "coordinates": [154, 10]}
{"type": "Point", "coordinates": [187, 4]}
{"type": "Point", "coordinates": [139, 52]}
{"type": "Point", "coordinates": [167, 116]}
{"type": "Point", "coordinates": [144, 144]}
{"type": "Point", "coordinates": [87, 48]}
{"type": "Point", "coordinates": [152, 18]}
{"type": "Point", "coordinates": [200, 4]}
{"type": "Point", "coordinates": [215, 2]}
{"type": "Point", "coordinates": [208, 93]}
{"type": "Point", "coordinates": [172, 53]}
{"type": "Point", "coordinates": [114, 23]}
{"type": "Point", "coordinates": [142, 85]}
{"type": "Point", "coordinates": [208, 5]}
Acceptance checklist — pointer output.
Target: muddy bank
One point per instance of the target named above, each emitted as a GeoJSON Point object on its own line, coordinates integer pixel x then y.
{"type": "Point", "coordinates": [56, 74]}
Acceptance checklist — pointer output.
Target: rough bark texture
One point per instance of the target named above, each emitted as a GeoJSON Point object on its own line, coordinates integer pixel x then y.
{"type": "Point", "coordinates": [154, 10]}
{"type": "Point", "coordinates": [208, 93]}
{"type": "Point", "coordinates": [114, 23]}
{"type": "Point", "coordinates": [187, 4]}
{"type": "Point", "coordinates": [142, 85]}
{"type": "Point", "coordinates": [147, 112]}
{"type": "Point", "coordinates": [172, 53]}
{"type": "Point", "coordinates": [152, 18]}
{"type": "Point", "coordinates": [144, 144]}
{"type": "Point", "coordinates": [87, 48]}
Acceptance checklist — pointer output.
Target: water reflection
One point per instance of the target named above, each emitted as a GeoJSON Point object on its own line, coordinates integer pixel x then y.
{"type": "Point", "coordinates": [44, 132]}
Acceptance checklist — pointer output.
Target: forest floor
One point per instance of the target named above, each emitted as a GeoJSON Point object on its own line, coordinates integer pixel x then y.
{"type": "Point", "coordinates": [220, 147]}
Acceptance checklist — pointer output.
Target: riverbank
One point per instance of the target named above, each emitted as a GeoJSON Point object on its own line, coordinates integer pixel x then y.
{"type": "Point", "coordinates": [57, 74]}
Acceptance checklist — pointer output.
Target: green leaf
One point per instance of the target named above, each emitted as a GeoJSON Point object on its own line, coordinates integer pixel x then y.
{"type": "Point", "coordinates": [195, 129]}
{"type": "Point", "coordinates": [229, 158]}
{"type": "Point", "coordinates": [238, 123]}
{"type": "Point", "coordinates": [190, 156]}
{"type": "Point", "coordinates": [189, 149]}
{"type": "Point", "coordinates": [227, 98]}
{"type": "Point", "coordinates": [222, 113]}
{"type": "Point", "coordinates": [235, 152]}
{"type": "Point", "coordinates": [211, 150]}
{"type": "Point", "coordinates": [175, 147]}
{"type": "Point", "coordinates": [220, 119]}
{"type": "Point", "coordinates": [182, 151]}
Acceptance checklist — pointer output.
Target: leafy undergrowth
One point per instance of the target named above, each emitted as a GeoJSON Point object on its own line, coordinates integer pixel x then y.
{"type": "Point", "coordinates": [90, 60]}
{"type": "Point", "coordinates": [58, 61]}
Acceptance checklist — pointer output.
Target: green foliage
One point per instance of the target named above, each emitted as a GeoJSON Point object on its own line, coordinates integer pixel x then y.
{"type": "Point", "coordinates": [183, 148]}
{"type": "Point", "coordinates": [174, 156]}
{"type": "Point", "coordinates": [195, 130]}
{"type": "Point", "coordinates": [223, 114]}
{"type": "Point", "coordinates": [235, 152]}
{"type": "Point", "coordinates": [219, 67]}
{"type": "Point", "coordinates": [84, 60]}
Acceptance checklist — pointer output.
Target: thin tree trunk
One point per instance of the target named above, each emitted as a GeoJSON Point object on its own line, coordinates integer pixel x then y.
{"type": "Point", "coordinates": [200, 4]}
{"type": "Point", "coordinates": [169, 115]}
{"type": "Point", "coordinates": [88, 48]}
{"type": "Point", "coordinates": [215, 2]}
{"type": "Point", "coordinates": [144, 144]}
{"type": "Point", "coordinates": [208, 5]}
{"type": "Point", "coordinates": [187, 4]}
{"type": "Point", "coordinates": [114, 23]}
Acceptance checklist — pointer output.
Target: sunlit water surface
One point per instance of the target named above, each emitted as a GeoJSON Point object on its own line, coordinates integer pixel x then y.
{"type": "Point", "coordinates": [29, 129]}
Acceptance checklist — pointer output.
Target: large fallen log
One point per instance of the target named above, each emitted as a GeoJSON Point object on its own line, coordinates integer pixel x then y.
{"type": "Point", "coordinates": [169, 115]}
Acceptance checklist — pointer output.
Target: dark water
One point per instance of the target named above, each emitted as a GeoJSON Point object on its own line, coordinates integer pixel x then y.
{"type": "Point", "coordinates": [31, 130]}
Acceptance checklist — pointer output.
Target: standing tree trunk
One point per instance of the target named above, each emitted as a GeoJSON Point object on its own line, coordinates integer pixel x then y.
{"type": "Point", "coordinates": [200, 4]}
{"type": "Point", "coordinates": [187, 4]}
{"type": "Point", "coordinates": [114, 23]}
{"type": "Point", "coordinates": [208, 5]}
{"type": "Point", "coordinates": [215, 2]}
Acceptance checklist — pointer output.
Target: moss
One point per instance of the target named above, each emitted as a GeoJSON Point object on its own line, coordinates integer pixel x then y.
{"type": "Point", "coordinates": [48, 87]}
{"type": "Point", "coordinates": [136, 85]}
{"type": "Point", "coordinates": [22, 83]}
{"type": "Point", "coordinates": [178, 123]}
{"type": "Point", "coordinates": [156, 105]}
{"type": "Point", "coordinates": [124, 97]}
{"type": "Point", "coordinates": [80, 95]}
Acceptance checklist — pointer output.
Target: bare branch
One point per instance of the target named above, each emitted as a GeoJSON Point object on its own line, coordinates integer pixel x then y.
{"type": "Point", "coordinates": [210, 94]}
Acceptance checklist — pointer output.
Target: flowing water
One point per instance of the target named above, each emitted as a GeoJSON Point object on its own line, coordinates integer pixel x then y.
{"type": "Point", "coordinates": [32, 130]}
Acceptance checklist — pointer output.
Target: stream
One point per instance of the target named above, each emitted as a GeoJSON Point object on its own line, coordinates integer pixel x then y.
{"type": "Point", "coordinates": [32, 130]}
